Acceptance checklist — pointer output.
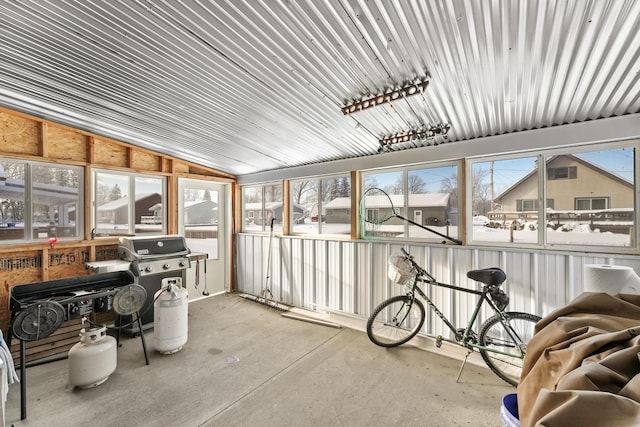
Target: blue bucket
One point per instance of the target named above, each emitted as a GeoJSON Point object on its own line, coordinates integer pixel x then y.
{"type": "Point", "coordinates": [509, 411]}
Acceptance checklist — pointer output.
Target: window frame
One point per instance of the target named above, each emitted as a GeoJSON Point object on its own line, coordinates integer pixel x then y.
{"type": "Point", "coordinates": [402, 210]}
{"type": "Point", "coordinates": [319, 180]}
{"type": "Point", "coordinates": [131, 211]}
{"type": "Point", "coordinates": [251, 214]}
{"type": "Point", "coordinates": [29, 202]}
{"type": "Point", "coordinates": [543, 155]}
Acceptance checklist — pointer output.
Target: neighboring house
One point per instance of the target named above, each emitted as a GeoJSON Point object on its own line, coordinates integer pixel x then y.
{"type": "Point", "coordinates": [424, 209]}
{"type": "Point", "coordinates": [117, 211]}
{"type": "Point", "coordinates": [203, 212]}
{"type": "Point", "coordinates": [576, 189]}
{"type": "Point", "coordinates": [253, 212]}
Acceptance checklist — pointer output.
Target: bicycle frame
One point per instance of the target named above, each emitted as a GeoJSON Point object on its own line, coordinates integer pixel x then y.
{"type": "Point", "coordinates": [465, 338]}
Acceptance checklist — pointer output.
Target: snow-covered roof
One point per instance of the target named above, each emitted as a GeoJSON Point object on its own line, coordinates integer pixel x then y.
{"type": "Point", "coordinates": [415, 200]}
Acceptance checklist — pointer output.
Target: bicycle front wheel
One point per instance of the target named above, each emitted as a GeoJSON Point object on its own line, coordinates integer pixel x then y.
{"type": "Point", "coordinates": [395, 321]}
{"type": "Point", "coordinates": [505, 343]}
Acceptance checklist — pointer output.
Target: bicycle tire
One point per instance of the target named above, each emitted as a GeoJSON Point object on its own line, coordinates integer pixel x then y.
{"type": "Point", "coordinates": [493, 335]}
{"type": "Point", "coordinates": [386, 329]}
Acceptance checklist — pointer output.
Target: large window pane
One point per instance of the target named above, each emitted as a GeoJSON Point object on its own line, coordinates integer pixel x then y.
{"type": "Point", "coordinates": [260, 205]}
{"type": "Point", "coordinates": [252, 208]}
{"type": "Point", "coordinates": [336, 206]}
{"type": "Point", "coordinates": [55, 201]}
{"type": "Point", "coordinates": [305, 205]}
{"type": "Point", "coordinates": [149, 212]}
{"type": "Point", "coordinates": [117, 212]}
{"type": "Point", "coordinates": [433, 202]}
{"type": "Point", "coordinates": [321, 206]}
{"type": "Point", "coordinates": [112, 203]}
{"type": "Point", "coordinates": [39, 200]}
{"type": "Point", "coordinates": [201, 220]}
{"type": "Point", "coordinates": [273, 206]}
{"type": "Point", "coordinates": [373, 207]}
{"type": "Point", "coordinates": [594, 203]}
{"type": "Point", "coordinates": [504, 196]}
{"type": "Point", "coordinates": [12, 200]}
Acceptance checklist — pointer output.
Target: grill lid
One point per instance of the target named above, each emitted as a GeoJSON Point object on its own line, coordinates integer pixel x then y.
{"type": "Point", "coordinates": [140, 248]}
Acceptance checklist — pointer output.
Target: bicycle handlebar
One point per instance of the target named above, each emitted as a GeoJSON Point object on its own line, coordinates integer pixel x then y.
{"type": "Point", "coordinates": [421, 271]}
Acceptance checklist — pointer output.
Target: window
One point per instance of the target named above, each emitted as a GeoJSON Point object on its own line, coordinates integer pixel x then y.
{"type": "Point", "coordinates": [261, 204]}
{"type": "Point", "coordinates": [376, 208]}
{"type": "Point", "coordinates": [502, 190]}
{"type": "Point", "coordinates": [117, 212]}
{"type": "Point", "coordinates": [585, 204]}
{"type": "Point", "coordinates": [570, 172]}
{"type": "Point", "coordinates": [321, 206]}
{"type": "Point", "coordinates": [40, 200]}
{"type": "Point", "coordinates": [597, 207]}
{"type": "Point", "coordinates": [527, 205]}
{"type": "Point", "coordinates": [590, 198]}
{"type": "Point", "coordinates": [426, 197]}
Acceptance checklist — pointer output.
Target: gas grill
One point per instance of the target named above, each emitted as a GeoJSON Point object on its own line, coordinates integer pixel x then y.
{"type": "Point", "coordinates": [151, 260]}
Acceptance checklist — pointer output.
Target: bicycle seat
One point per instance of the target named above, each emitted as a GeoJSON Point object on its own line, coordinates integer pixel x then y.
{"type": "Point", "coordinates": [492, 276]}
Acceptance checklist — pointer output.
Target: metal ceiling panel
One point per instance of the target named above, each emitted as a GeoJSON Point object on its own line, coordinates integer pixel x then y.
{"type": "Point", "coordinates": [250, 86]}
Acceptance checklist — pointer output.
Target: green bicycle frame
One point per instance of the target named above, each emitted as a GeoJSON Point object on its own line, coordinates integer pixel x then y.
{"type": "Point", "coordinates": [466, 335]}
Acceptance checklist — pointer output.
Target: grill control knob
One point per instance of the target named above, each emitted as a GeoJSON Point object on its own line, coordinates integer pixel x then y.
{"type": "Point", "coordinates": [182, 263]}
{"type": "Point", "coordinates": [166, 266]}
{"type": "Point", "coordinates": [148, 269]}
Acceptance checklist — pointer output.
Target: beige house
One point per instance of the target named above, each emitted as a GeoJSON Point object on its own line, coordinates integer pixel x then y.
{"type": "Point", "coordinates": [576, 190]}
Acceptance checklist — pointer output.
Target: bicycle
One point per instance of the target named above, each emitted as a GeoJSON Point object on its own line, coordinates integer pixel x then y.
{"type": "Point", "coordinates": [503, 337]}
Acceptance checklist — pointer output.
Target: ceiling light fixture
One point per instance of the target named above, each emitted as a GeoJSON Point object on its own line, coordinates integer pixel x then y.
{"type": "Point", "coordinates": [439, 130]}
{"type": "Point", "coordinates": [386, 98]}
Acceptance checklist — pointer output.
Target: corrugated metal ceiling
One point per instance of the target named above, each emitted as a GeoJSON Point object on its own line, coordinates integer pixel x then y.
{"type": "Point", "coordinates": [249, 86]}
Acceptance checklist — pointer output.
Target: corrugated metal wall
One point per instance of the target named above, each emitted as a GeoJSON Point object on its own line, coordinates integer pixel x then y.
{"type": "Point", "coordinates": [351, 276]}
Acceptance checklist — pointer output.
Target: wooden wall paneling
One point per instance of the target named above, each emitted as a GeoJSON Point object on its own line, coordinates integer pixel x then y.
{"type": "Point", "coordinates": [66, 144]}
{"type": "Point", "coordinates": [110, 153]}
{"type": "Point", "coordinates": [180, 167]}
{"type": "Point", "coordinates": [167, 165]}
{"type": "Point", "coordinates": [68, 262]}
{"type": "Point", "coordinates": [18, 134]}
{"type": "Point", "coordinates": [172, 200]}
{"type": "Point", "coordinates": [146, 161]}
{"type": "Point", "coordinates": [91, 154]}
{"type": "Point", "coordinates": [130, 157]}
{"type": "Point", "coordinates": [44, 140]}
{"type": "Point", "coordinates": [88, 205]}
{"type": "Point", "coordinates": [35, 139]}
{"type": "Point", "coordinates": [356, 192]}
{"type": "Point", "coordinates": [462, 207]}
{"type": "Point", "coordinates": [17, 268]}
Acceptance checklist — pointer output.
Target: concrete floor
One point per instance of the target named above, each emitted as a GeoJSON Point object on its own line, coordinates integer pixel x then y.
{"type": "Point", "coordinates": [246, 365]}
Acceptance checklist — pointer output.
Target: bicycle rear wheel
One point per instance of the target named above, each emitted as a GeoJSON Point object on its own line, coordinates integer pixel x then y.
{"type": "Point", "coordinates": [395, 321]}
{"type": "Point", "coordinates": [506, 343]}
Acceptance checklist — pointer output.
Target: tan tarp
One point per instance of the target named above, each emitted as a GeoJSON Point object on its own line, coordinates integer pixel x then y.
{"type": "Point", "coordinates": [582, 366]}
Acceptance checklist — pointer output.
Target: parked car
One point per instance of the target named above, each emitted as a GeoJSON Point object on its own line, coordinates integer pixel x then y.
{"type": "Point", "coordinates": [317, 218]}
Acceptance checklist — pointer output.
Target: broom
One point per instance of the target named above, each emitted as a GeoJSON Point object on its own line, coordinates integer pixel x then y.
{"type": "Point", "coordinates": [266, 291]}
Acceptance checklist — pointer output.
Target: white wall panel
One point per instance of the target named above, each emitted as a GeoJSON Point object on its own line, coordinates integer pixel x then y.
{"type": "Point", "coordinates": [351, 276]}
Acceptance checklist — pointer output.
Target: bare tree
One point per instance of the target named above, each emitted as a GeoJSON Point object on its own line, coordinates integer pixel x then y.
{"type": "Point", "coordinates": [415, 184]}
{"type": "Point", "coordinates": [480, 192]}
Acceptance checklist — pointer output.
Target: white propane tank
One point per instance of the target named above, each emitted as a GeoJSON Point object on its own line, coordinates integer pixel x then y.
{"type": "Point", "coordinates": [93, 359]}
{"type": "Point", "coordinates": [170, 317]}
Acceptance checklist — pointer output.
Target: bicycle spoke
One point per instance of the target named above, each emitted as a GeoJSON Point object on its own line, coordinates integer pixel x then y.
{"type": "Point", "coordinates": [395, 321]}
{"type": "Point", "coordinates": [505, 344]}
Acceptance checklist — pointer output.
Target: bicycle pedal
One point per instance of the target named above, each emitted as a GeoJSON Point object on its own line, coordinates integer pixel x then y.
{"type": "Point", "coordinates": [439, 340]}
